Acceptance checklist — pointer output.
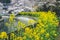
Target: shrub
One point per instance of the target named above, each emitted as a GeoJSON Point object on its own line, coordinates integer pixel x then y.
{"type": "Point", "coordinates": [46, 29]}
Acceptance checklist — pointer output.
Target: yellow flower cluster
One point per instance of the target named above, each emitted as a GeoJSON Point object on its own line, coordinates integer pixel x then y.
{"type": "Point", "coordinates": [31, 21]}
{"type": "Point", "coordinates": [12, 35]}
{"type": "Point", "coordinates": [20, 24]}
{"type": "Point", "coordinates": [3, 35]}
{"type": "Point", "coordinates": [18, 38]}
{"type": "Point", "coordinates": [28, 30]}
{"type": "Point", "coordinates": [44, 30]}
{"type": "Point", "coordinates": [11, 19]}
{"type": "Point", "coordinates": [47, 23]}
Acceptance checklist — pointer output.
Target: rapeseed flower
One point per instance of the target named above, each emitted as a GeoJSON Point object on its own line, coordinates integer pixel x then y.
{"type": "Point", "coordinates": [31, 21]}
{"type": "Point", "coordinates": [11, 19]}
{"type": "Point", "coordinates": [18, 38]}
{"type": "Point", "coordinates": [19, 24]}
{"type": "Point", "coordinates": [3, 35]}
{"type": "Point", "coordinates": [37, 37]}
{"type": "Point", "coordinates": [42, 31]}
{"type": "Point", "coordinates": [28, 30]}
{"type": "Point", "coordinates": [12, 35]}
{"type": "Point", "coordinates": [47, 22]}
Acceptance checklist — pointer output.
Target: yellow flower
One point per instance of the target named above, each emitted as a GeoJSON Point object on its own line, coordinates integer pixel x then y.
{"type": "Point", "coordinates": [36, 37]}
{"type": "Point", "coordinates": [42, 31]}
{"type": "Point", "coordinates": [12, 35]}
{"type": "Point", "coordinates": [28, 30]}
{"type": "Point", "coordinates": [31, 21]}
{"type": "Point", "coordinates": [4, 35]}
{"type": "Point", "coordinates": [11, 19]}
{"type": "Point", "coordinates": [34, 33]}
{"type": "Point", "coordinates": [38, 26]}
{"type": "Point", "coordinates": [42, 24]}
{"type": "Point", "coordinates": [23, 25]}
{"type": "Point", "coordinates": [47, 35]}
{"type": "Point", "coordinates": [12, 15]}
{"type": "Point", "coordinates": [19, 38]}
{"type": "Point", "coordinates": [19, 24]}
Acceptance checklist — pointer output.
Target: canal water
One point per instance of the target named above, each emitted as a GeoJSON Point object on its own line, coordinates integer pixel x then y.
{"type": "Point", "coordinates": [13, 28]}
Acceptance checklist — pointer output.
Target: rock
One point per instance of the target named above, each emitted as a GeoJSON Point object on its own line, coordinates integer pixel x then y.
{"type": "Point", "coordinates": [18, 5]}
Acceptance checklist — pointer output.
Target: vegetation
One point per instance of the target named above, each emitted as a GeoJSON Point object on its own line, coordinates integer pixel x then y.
{"type": "Point", "coordinates": [46, 29]}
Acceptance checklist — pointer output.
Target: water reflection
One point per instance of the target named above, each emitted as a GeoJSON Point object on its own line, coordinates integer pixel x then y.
{"type": "Point", "coordinates": [11, 28]}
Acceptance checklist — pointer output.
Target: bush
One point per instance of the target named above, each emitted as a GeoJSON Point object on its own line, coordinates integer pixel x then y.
{"type": "Point", "coordinates": [46, 29]}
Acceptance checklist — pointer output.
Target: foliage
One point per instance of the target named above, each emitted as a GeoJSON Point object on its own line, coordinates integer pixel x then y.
{"type": "Point", "coordinates": [46, 29]}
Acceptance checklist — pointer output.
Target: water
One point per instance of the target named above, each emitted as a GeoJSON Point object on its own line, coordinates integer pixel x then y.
{"type": "Point", "coordinates": [15, 6]}
{"type": "Point", "coordinates": [13, 28]}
